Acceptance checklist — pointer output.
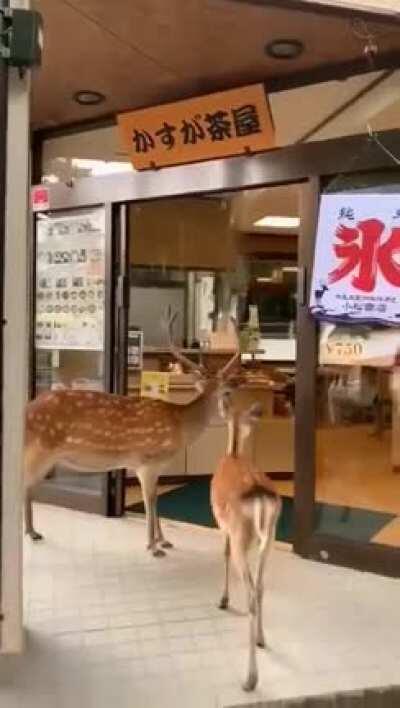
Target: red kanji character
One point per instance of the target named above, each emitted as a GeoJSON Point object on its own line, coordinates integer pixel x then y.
{"type": "Point", "coordinates": [389, 267]}
{"type": "Point", "coordinates": [361, 248]}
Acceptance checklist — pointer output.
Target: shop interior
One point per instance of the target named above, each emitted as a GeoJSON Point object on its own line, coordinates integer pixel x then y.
{"type": "Point", "coordinates": [235, 255]}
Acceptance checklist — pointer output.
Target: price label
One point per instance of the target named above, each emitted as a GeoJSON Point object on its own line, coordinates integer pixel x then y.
{"type": "Point", "coordinates": [344, 350]}
{"type": "Point", "coordinates": [154, 384]}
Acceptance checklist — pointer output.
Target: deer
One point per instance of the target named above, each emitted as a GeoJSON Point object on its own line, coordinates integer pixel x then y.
{"type": "Point", "coordinates": [96, 432]}
{"type": "Point", "coordinates": [246, 508]}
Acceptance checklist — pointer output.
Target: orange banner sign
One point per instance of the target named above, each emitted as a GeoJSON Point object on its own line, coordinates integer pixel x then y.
{"type": "Point", "coordinates": [220, 125]}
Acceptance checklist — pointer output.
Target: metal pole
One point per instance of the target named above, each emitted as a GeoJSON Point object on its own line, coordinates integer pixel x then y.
{"type": "Point", "coordinates": [3, 175]}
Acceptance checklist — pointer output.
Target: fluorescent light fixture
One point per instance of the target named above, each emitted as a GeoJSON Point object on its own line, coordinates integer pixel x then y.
{"type": "Point", "coordinates": [88, 97]}
{"type": "Point", "coordinates": [290, 269]}
{"type": "Point", "coordinates": [284, 48]}
{"type": "Point", "coordinates": [278, 222]}
{"type": "Point", "coordinates": [265, 280]}
{"type": "Point", "coordinates": [101, 167]}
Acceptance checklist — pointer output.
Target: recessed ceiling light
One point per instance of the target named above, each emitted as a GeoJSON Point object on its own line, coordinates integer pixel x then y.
{"type": "Point", "coordinates": [284, 48]}
{"type": "Point", "coordinates": [89, 98]}
{"type": "Point", "coordinates": [278, 222]}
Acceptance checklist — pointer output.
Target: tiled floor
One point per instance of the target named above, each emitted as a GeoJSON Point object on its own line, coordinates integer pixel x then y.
{"type": "Point", "coordinates": [110, 626]}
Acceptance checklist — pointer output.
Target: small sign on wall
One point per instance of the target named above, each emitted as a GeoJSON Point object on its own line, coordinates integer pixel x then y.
{"type": "Point", "coordinates": [358, 345]}
{"type": "Point", "coordinates": [154, 384]}
{"type": "Point", "coordinates": [40, 198]}
{"type": "Point", "coordinates": [356, 273]}
{"type": "Point", "coordinates": [223, 124]}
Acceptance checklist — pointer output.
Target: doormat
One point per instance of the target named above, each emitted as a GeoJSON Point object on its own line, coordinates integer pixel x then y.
{"type": "Point", "coordinates": [388, 697]}
{"type": "Point", "coordinates": [191, 503]}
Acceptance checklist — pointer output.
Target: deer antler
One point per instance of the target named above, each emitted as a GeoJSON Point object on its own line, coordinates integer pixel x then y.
{"type": "Point", "coordinates": [168, 321]}
{"type": "Point", "coordinates": [222, 373]}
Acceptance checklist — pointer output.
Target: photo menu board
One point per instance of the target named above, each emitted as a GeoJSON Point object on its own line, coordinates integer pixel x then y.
{"type": "Point", "coordinates": [70, 280]}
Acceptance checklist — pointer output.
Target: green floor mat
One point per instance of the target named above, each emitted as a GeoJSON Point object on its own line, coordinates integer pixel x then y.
{"type": "Point", "coordinates": [191, 503]}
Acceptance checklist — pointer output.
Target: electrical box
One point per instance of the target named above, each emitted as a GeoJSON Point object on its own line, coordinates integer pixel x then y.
{"type": "Point", "coordinates": [22, 37]}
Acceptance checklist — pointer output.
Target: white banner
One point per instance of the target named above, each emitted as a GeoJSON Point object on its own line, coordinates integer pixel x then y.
{"type": "Point", "coordinates": [356, 274]}
{"type": "Point", "coordinates": [70, 281]}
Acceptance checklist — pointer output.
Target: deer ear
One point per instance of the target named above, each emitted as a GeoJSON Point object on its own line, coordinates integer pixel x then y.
{"type": "Point", "coordinates": [225, 402]}
{"type": "Point", "coordinates": [253, 414]}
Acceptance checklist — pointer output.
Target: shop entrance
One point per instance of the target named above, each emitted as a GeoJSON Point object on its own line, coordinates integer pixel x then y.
{"type": "Point", "coordinates": [206, 237]}
{"type": "Point", "coordinates": [207, 258]}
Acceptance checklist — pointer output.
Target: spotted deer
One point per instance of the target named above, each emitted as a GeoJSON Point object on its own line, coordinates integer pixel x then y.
{"type": "Point", "coordinates": [97, 432]}
{"type": "Point", "coordinates": [246, 508]}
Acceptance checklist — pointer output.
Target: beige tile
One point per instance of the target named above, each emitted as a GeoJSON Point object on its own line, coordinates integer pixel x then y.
{"type": "Point", "coordinates": [163, 641]}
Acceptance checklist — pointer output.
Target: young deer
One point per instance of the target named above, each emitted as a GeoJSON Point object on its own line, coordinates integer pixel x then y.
{"type": "Point", "coordinates": [96, 432]}
{"type": "Point", "coordinates": [246, 508]}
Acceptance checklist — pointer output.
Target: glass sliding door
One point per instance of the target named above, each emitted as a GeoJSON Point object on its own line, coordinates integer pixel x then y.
{"type": "Point", "coordinates": [72, 327]}
{"type": "Point", "coordinates": [354, 516]}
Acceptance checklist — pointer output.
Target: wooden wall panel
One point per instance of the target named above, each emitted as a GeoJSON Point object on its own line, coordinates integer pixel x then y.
{"type": "Point", "coordinates": [190, 233]}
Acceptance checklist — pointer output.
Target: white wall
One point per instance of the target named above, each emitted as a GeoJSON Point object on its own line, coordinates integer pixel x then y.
{"type": "Point", "coordinates": [15, 359]}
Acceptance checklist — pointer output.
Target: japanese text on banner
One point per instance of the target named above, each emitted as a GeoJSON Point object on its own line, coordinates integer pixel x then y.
{"type": "Point", "coordinates": [357, 259]}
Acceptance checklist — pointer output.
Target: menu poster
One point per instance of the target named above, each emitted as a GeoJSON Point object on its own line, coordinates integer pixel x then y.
{"type": "Point", "coordinates": [70, 280]}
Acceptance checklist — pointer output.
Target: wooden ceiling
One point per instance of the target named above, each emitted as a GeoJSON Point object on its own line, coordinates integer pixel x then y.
{"type": "Point", "coordinates": [145, 52]}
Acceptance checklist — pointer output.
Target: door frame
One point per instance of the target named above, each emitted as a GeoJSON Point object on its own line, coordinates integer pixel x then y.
{"type": "Point", "coordinates": [309, 164]}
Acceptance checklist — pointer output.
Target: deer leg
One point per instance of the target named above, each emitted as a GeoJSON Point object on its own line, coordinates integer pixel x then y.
{"type": "Point", "coordinates": [148, 482]}
{"type": "Point", "coordinates": [159, 533]}
{"type": "Point", "coordinates": [29, 528]}
{"type": "Point", "coordinates": [36, 466]}
{"type": "Point", "coordinates": [267, 539]}
{"type": "Point", "coordinates": [240, 559]}
{"type": "Point", "coordinates": [224, 603]}
{"type": "Point", "coordinates": [252, 673]}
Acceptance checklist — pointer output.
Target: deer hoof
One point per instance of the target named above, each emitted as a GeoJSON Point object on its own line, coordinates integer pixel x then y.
{"type": "Point", "coordinates": [166, 544]}
{"type": "Point", "coordinates": [35, 536]}
{"type": "Point", "coordinates": [158, 553]}
{"type": "Point", "coordinates": [224, 603]}
{"type": "Point", "coordinates": [250, 683]}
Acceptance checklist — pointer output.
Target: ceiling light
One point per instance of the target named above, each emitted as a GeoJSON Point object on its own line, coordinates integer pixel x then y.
{"type": "Point", "coordinates": [101, 167]}
{"type": "Point", "coordinates": [284, 49]}
{"type": "Point", "coordinates": [88, 98]}
{"type": "Point", "coordinates": [278, 222]}
{"type": "Point", "coordinates": [51, 179]}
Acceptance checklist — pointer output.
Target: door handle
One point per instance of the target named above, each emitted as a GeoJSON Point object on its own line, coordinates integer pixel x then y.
{"type": "Point", "coordinates": [123, 291]}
